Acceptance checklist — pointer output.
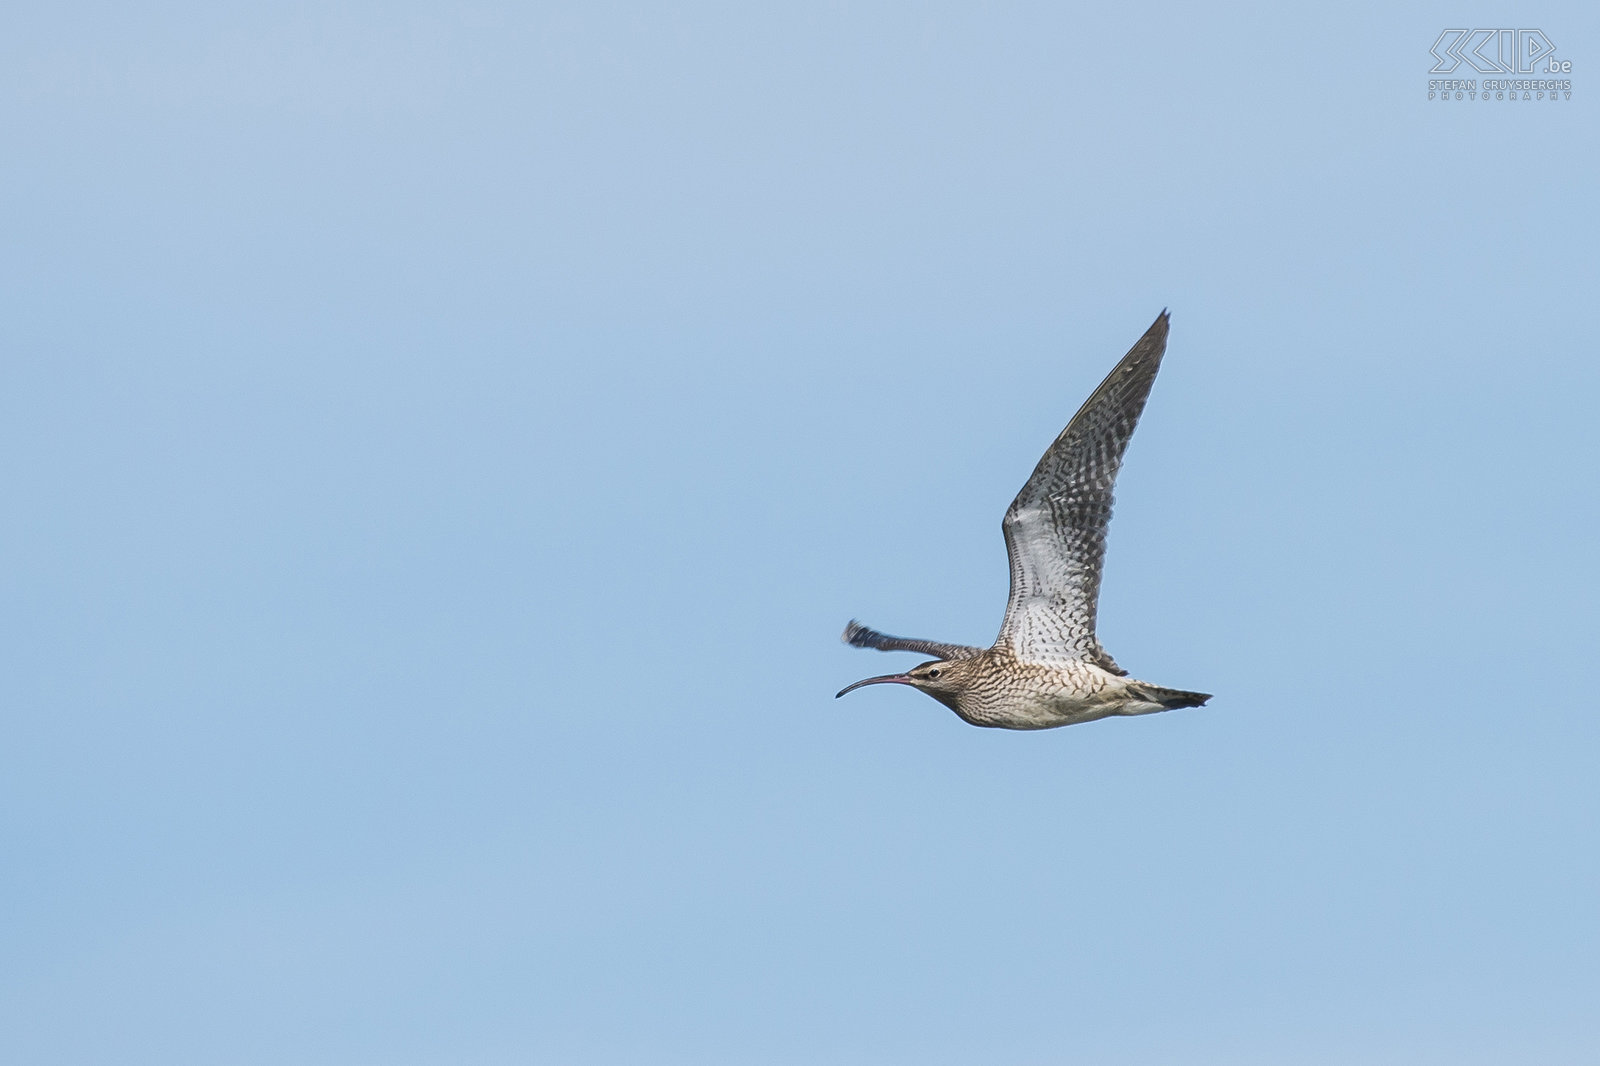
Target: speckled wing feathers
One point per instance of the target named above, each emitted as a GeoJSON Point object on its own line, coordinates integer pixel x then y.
{"type": "Point", "coordinates": [1056, 527]}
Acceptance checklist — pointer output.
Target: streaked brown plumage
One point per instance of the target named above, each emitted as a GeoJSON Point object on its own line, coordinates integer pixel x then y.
{"type": "Point", "coordinates": [1047, 667]}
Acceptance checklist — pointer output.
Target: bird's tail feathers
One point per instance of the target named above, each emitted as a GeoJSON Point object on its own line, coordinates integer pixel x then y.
{"type": "Point", "coordinates": [1172, 698]}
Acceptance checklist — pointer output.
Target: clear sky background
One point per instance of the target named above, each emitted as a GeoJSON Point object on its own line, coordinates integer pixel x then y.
{"type": "Point", "coordinates": [441, 446]}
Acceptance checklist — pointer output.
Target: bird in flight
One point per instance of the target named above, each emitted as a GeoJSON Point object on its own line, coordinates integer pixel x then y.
{"type": "Point", "coordinates": [1047, 668]}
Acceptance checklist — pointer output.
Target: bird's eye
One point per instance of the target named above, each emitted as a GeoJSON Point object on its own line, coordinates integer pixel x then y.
{"type": "Point", "coordinates": [933, 673]}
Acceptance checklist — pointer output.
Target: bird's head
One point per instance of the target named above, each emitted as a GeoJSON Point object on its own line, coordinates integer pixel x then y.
{"type": "Point", "coordinates": [943, 679]}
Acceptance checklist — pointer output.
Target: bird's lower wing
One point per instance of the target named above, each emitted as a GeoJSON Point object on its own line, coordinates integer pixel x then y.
{"type": "Point", "coordinates": [859, 636]}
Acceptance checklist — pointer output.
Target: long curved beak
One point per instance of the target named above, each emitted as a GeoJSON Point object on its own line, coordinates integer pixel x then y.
{"type": "Point", "coordinates": [898, 679]}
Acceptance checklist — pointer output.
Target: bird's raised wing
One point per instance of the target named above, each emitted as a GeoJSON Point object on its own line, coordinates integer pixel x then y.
{"type": "Point", "coordinates": [1056, 527]}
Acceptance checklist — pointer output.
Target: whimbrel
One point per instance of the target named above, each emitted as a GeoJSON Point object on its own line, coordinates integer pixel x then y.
{"type": "Point", "coordinates": [1047, 667]}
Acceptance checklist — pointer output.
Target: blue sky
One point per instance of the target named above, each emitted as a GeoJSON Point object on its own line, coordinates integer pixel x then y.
{"type": "Point", "coordinates": [444, 443]}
